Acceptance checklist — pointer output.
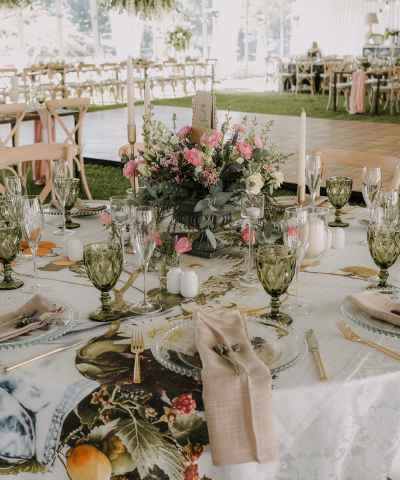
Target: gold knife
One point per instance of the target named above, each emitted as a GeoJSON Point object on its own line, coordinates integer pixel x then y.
{"type": "Point", "coordinates": [313, 346]}
{"type": "Point", "coordinates": [46, 354]}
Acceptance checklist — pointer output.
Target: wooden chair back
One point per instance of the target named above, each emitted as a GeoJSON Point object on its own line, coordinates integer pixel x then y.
{"type": "Point", "coordinates": [39, 151]}
{"type": "Point", "coordinates": [83, 105]}
{"type": "Point", "coordinates": [304, 66]}
{"type": "Point", "coordinates": [352, 158]}
{"type": "Point", "coordinates": [5, 79]}
{"type": "Point", "coordinates": [5, 110]}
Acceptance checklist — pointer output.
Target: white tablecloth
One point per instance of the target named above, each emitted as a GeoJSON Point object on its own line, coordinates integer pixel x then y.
{"type": "Point", "coordinates": [347, 428]}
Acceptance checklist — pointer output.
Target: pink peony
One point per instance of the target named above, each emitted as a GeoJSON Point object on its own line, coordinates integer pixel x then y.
{"type": "Point", "coordinates": [183, 132]}
{"type": "Point", "coordinates": [105, 218]}
{"type": "Point", "coordinates": [158, 240]}
{"type": "Point", "coordinates": [293, 231]}
{"type": "Point", "coordinates": [257, 141]}
{"type": "Point", "coordinates": [271, 168]}
{"type": "Point", "coordinates": [246, 236]}
{"type": "Point", "coordinates": [213, 140]}
{"type": "Point", "coordinates": [130, 168]}
{"type": "Point", "coordinates": [239, 127]}
{"type": "Point", "coordinates": [244, 149]}
{"type": "Point", "coordinates": [183, 245]}
{"type": "Point", "coordinates": [192, 157]}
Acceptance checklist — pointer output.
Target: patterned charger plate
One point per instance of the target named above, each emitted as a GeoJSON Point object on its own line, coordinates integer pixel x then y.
{"type": "Point", "coordinates": [277, 345]}
{"type": "Point", "coordinates": [49, 210]}
{"type": "Point", "coordinates": [355, 314]}
{"type": "Point", "coordinates": [363, 219]}
{"type": "Point", "coordinates": [55, 327]}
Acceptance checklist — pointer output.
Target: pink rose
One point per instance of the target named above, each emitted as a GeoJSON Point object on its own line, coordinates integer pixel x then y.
{"type": "Point", "coordinates": [246, 236]}
{"type": "Point", "coordinates": [155, 169]}
{"type": "Point", "coordinates": [293, 231]}
{"type": "Point", "coordinates": [271, 168]}
{"type": "Point", "coordinates": [257, 141]}
{"type": "Point", "coordinates": [244, 149]}
{"type": "Point", "coordinates": [213, 139]}
{"type": "Point", "coordinates": [183, 245]}
{"type": "Point", "coordinates": [130, 168]}
{"type": "Point", "coordinates": [183, 132]}
{"type": "Point", "coordinates": [192, 157]}
{"type": "Point", "coordinates": [158, 240]}
{"type": "Point", "coordinates": [105, 218]}
{"type": "Point", "coordinates": [239, 127]}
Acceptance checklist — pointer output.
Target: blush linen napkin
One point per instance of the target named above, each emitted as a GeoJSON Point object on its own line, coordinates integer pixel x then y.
{"type": "Point", "coordinates": [238, 407]}
{"type": "Point", "coordinates": [357, 94]}
{"type": "Point", "coordinates": [80, 206]}
{"type": "Point", "coordinates": [45, 310]}
{"type": "Point", "coordinates": [376, 304]}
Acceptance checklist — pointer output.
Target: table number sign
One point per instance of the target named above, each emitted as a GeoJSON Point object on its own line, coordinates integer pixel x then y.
{"type": "Point", "coordinates": [204, 107]}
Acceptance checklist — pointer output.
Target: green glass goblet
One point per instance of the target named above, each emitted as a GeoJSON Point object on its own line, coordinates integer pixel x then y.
{"type": "Point", "coordinates": [339, 191]}
{"type": "Point", "coordinates": [10, 244]}
{"type": "Point", "coordinates": [384, 247]}
{"type": "Point", "coordinates": [72, 197]}
{"type": "Point", "coordinates": [5, 213]}
{"type": "Point", "coordinates": [103, 264]}
{"type": "Point", "coordinates": [276, 266]}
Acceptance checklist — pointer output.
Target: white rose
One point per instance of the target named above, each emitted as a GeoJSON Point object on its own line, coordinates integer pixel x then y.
{"type": "Point", "coordinates": [240, 160]}
{"type": "Point", "coordinates": [174, 140]}
{"type": "Point", "coordinates": [278, 178]}
{"type": "Point", "coordinates": [257, 180]}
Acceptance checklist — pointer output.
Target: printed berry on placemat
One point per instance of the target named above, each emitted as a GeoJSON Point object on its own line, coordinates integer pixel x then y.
{"type": "Point", "coordinates": [184, 404]}
{"type": "Point", "coordinates": [191, 472]}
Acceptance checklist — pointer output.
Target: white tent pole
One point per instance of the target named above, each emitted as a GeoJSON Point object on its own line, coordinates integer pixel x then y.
{"type": "Point", "coordinates": [205, 33]}
{"type": "Point", "coordinates": [246, 34]}
{"type": "Point", "coordinates": [21, 37]}
{"type": "Point", "coordinates": [61, 48]}
{"type": "Point", "coordinates": [95, 26]}
{"type": "Point", "coordinates": [281, 44]}
{"type": "Point", "coordinates": [265, 29]}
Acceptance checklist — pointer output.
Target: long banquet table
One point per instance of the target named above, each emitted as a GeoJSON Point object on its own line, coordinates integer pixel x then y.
{"type": "Point", "coordinates": [347, 428]}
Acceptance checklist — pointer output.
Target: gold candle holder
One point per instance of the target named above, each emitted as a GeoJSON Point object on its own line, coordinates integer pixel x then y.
{"type": "Point", "coordinates": [132, 140]}
{"type": "Point", "coordinates": [301, 195]}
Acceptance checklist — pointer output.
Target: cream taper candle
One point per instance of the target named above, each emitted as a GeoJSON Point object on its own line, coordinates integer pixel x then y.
{"type": "Point", "coordinates": [302, 150]}
{"type": "Point", "coordinates": [130, 92]}
{"type": "Point", "coordinates": [147, 96]}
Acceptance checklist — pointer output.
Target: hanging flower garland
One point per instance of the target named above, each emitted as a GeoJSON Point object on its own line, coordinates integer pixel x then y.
{"type": "Point", "coordinates": [145, 7]}
{"type": "Point", "coordinates": [14, 3]}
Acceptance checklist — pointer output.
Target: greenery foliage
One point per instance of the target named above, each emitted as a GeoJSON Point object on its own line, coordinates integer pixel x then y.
{"type": "Point", "coordinates": [179, 38]}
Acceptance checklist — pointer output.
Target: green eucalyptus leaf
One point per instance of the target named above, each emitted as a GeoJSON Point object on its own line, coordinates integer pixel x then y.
{"type": "Point", "coordinates": [237, 215]}
{"type": "Point", "coordinates": [211, 238]}
{"type": "Point", "coordinates": [213, 209]}
{"type": "Point", "coordinates": [222, 197]}
{"type": "Point", "coordinates": [218, 188]}
{"type": "Point", "coordinates": [204, 224]}
{"type": "Point", "coordinates": [260, 238]}
{"type": "Point", "coordinates": [200, 205]}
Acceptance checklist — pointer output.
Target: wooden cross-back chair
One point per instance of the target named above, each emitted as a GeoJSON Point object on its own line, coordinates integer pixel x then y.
{"type": "Point", "coordinates": [82, 104]}
{"type": "Point", "coordinates": [40, 151]}
{"type": "Point", "coordinates": [351, 158]}
{"type": "Point", "coordinates": [304, 71]}
{"type": "Point", "coordinates": [127, 149]}
{"type": "Point", "coordinates": [57, 74]}
{"type": "Point", "coordinates": [5, 79]}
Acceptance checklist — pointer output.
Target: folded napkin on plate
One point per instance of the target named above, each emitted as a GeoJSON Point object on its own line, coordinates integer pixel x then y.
{"type": "Point", "coordinates": [45, 310]}
{"type": "Point", "coordinates": [294, 203]}
{"type": "Point", "coordinates": [80, 206]}
{"type": "Point", "coordinates": [378, 305]}
{"type": "Point", "coordinates": [238, 407]}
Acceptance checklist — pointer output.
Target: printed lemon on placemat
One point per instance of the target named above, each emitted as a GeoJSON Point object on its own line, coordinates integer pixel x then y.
{"type": "Point", "coordinates": [63, 261]}
{"type": "Point", "coordinates": [44, 248]}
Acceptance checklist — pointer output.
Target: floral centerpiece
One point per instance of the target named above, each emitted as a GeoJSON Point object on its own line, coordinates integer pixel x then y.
{"type": "Point", "coordinates": [217, 171]}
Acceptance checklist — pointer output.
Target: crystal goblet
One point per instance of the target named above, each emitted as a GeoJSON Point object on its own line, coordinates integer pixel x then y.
{"type": "Point", "coordinates": [5, 213]}
{"type": "Point", "coordinates": [70, 200]}
{"type": "Point", "coordinates": [276, 266]}
{"type": "Point", "coordinates": [339, 191]}
{"type": "Point", "coordinates": [103, 264]}
{"type": "Point", "coordinates": [10, 244]}
{"type": "Point", "coordinates": [384, 247]}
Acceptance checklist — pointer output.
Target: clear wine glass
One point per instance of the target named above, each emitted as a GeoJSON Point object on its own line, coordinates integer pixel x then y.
{"type": "Point", "coordinates": [120, 207]}
{"type": "Point", "coordinates": [296, 233]}
{"type": "Point", "coordinates": [313, 174]}
{"type": "Point", "coordinates": [61, 186]}
{"type": "Point", "coordinates": [16, 186]}
{"type": "Point", "coordinates": [15, 190]}
{"type": "Point", "coordinates": [252, 208]}
{"type": "Point", "coordinates": [143, 232]}
{"type": "Point", "coordinates": [32, 225]}
{"type": "Point", "coordinates": [371, 183]}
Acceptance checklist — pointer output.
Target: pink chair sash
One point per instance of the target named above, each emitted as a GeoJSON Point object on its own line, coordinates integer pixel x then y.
{"type": "Point", "coordinates": [41, 172]}
{"type": "Point", "coordinates": [357, 95]}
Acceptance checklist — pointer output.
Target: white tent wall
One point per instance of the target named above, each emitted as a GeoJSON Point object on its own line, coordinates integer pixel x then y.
{"type": "Point", "coordinates": [127, 33]}
{"type": "Point", "coordinates": [338, 25]}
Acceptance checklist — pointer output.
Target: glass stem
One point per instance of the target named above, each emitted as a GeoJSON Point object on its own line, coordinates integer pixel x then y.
{"type": "Point", "coordinates": [313, 194]}
{"type": "Point", "coordinates": [34, 252]}
{"type": "Point", "coordinates": [63, 214]}
{"type": "Point", "coordinates": [121, 241]}
{"type": "Point", "coordinates": [251, 230]}
{"type": "Point", "coordinates": [144, 271]}
{"type": "Point", "coordinates": [296, 300]}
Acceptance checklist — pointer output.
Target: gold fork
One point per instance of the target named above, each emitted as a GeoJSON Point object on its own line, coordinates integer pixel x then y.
{"type": "Point", "coordinates": [137, 347]}
{"type": "Point", "coordinates": [348, 333]}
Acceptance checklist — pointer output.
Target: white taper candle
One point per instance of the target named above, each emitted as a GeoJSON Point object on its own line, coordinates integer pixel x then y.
{"type": "Point", "coordinates": [302, 150]}
{"type": "Point", "coordinates": [130, 92]}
